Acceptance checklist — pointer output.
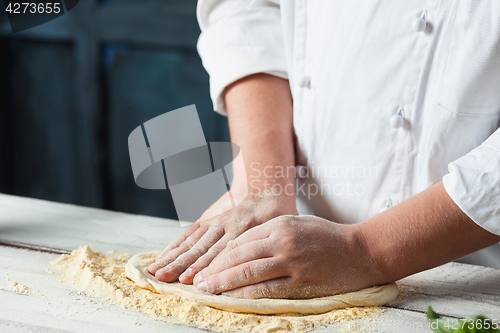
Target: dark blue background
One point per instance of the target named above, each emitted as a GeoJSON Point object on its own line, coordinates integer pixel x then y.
{"type": "Point", "coordinates": [71, 91]}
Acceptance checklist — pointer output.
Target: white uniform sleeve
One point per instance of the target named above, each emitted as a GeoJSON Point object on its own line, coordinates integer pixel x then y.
{"type": "Point", "coordinates": [239, 38]}
{"type": "Point", "coordinates": [473, 182]}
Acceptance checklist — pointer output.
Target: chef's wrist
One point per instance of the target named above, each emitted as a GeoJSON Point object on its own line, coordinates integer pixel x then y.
{"type": "Point", "coordinates": [374, 253]}
{"type": "Point", "coordinates": [261, 182]}
{"type": "Point", "coordinates": [275, 189]}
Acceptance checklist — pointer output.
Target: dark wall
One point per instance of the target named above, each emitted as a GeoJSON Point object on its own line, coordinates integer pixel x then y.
{"type": "Point", "coordinates": [73, 89]}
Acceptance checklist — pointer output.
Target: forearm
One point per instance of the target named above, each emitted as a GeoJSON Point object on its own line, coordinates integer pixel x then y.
{"type": "Point", "coordinates": [261, 124]}
{"type": "Point", "coordinates": [422, 232]}
{"type": "Point", "coordinates": [260, 120]}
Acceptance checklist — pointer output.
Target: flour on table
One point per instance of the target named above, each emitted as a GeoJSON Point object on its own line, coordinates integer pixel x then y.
{"type": "Point", "coordinates": [98, 275]}
{"type": "Point", "coordinates": [18, 287]}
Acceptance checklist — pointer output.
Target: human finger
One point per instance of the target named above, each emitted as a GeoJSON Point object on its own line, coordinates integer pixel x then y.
{"type": "Point", "coordinates": [281, 287]}
{"type": "Point", "coordinates": [235, 254]}
{"type": "Point", "coordinates": [176, 252]}
{"type": "Point", "coordinates": [242, 275]}
{"type": "Point", "coordinates": [259, 232]}
{"type": "Point", "coordinates": [205, 260]}
{"type": "Point", "coordinates": [172, 271]}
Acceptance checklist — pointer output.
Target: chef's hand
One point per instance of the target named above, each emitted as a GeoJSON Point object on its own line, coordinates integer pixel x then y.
{"type": "Point", "coordinates": [290, 257]}
{"type": "Point", "coordinates": [205, 239]}
{"type": "Point", "coordinates": [306, 256]}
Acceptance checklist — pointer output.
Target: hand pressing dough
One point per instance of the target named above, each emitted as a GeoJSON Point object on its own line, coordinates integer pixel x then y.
{"type": "Point", "coordinates": [136, 270]}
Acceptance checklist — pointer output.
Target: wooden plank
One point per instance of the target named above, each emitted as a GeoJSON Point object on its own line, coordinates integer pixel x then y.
{"type": "Point", "coordinates": [390, 321]}
{"type": "Point", "coordinates": [56, 307]}
{"type": "Point", "coordinates": [69, 227]}
{"type": "Point", "coordinates": [458, 290]}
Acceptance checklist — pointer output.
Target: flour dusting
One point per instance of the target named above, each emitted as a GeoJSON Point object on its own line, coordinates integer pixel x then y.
{"type": "Point", "coordinates": [18, 287]}
{"type": "Point", "coordinates": [98, 275]}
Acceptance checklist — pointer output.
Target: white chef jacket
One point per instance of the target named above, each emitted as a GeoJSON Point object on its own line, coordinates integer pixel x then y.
{"type": "Point", "coordinates": [352, 65]}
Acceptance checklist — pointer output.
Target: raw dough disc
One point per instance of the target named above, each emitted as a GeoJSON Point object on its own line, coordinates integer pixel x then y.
{"type": "Point", "coordinates": [136, 270]}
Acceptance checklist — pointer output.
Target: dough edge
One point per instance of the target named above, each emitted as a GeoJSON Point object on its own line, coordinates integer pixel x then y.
{"type": "Point", "coordinates": [136, 270]}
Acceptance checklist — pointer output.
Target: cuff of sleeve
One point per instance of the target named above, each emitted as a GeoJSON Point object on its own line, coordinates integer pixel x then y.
{"type": "Point", "coordinates": [473, 182]}
{"type": "Point", "coordinates": [245, 43]}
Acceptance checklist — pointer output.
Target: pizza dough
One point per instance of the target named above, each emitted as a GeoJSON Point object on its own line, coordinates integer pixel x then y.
{"type": "Point", "coordinates": [136, 270]}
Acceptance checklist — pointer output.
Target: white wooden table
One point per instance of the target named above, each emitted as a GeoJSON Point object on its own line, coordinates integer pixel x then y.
{"type": "Point", "coordinates": [453, 290]}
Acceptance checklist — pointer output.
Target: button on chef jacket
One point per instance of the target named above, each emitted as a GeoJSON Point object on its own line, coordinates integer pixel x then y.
{"type": "Point", "coordinates": [354, 65]}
